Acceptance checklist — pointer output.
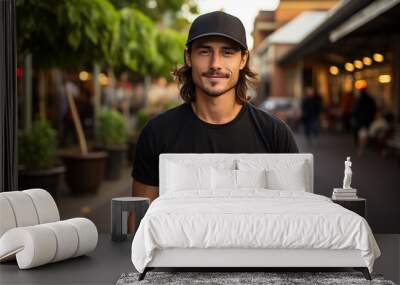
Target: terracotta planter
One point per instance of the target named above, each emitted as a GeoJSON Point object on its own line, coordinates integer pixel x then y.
{"type": "Point", "coordinates": [85, 172]}
{"type": "Point", "coordinates": [48, 179]}
{"type": "Point", "coordinates": [115, 160]}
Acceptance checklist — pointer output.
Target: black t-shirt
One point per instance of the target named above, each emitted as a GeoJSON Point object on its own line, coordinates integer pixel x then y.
{"type": "Point", "coordinates": [179, 130]}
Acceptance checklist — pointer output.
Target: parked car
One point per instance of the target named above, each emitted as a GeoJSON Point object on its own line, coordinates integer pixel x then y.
{"type": "Point", "coordinates": [285, 108]}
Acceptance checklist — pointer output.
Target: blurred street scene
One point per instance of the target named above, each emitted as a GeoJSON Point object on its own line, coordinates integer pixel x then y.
{"type": "Point", "coordinates": [90, 75]}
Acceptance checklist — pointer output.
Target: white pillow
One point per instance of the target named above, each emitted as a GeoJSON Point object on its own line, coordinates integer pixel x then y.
{"type": "Point", "coordinates": [235, 179]}
{"type": "Point", "coordinates": [281, 174]}
{"type": "Point", "coordinates": [251, 178]}
{"type": "Point", "coordinates": [292, 179]}
{"type": "Point", "coordinates": [181, 177]}
{"type": "Point", "coordinates": [223, 179]}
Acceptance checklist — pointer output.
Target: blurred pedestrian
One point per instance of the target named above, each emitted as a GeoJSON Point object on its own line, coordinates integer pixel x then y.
{"type": "Point", "coordinates": [346, 108]}
{"type": "Point", "coordinates": [363, 114]}
{"type": "Point", "coordinates": [311, 108]}
{"type": "Point", "coordinates": [70, 87]}
{"type": "Point", "coordinates": [108, 94]}
{"type": "Point", "coordinates": [378, 132]}
{"type": "Point", "coordinates": [124, 93]}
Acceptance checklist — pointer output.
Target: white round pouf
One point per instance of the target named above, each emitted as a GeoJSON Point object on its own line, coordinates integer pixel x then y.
{"type": "Point", "coordinates": [67, 239]}
{"type": "Point", "coordinates": [7, 218]}
{"type": "Point", "coordinates": [45, 205]}
{"type": "Point", "coordinates": [32, 233]}
{"type": "Point", "coordinates": [23, 208]}
{"type": "Point", "coordinates": [34, 245]}
{"type": "Point", "coordinates": [87, 234]}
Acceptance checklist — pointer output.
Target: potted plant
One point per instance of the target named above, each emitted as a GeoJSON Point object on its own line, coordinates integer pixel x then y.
{"type": "Point", "coordinates": [85, 169]}
{"type": "Point", "coordinates": [37, 153]}
{"type": "Point", "coordinates": [111, 136]}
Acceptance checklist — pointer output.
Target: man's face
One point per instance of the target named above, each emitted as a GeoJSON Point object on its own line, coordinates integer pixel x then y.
{"type": "Point", "coordinates": [216, 62]}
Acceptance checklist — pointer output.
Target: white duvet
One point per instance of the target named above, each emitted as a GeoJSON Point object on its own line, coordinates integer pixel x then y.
{"type": "Point", "coordinates": [252, 218]}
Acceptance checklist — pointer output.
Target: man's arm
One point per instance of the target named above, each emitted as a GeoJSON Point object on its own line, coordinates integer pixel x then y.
{"type": "Point", "coordinates": [141, 190]}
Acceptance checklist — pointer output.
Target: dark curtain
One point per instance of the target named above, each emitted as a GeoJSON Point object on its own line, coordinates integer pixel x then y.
{"type": "Point", "coordinates": [8, 97]}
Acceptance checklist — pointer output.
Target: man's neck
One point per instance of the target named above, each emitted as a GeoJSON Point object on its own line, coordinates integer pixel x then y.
{"type": "Point", "coordinates": [216, 110]}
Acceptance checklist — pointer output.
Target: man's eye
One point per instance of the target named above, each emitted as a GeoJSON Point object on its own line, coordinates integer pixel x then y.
{"type": "Point", "coordinates": [204, 52]}
{"type": "Point", "coordinates": [228, 52]}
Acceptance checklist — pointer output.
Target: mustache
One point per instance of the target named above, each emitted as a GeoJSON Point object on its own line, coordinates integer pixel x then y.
{"type": "Point", "coordinates": [213, 72]}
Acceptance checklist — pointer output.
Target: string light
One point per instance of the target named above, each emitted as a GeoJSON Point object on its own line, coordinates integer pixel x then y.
{"type": "Point", "coordinates": [103, 79]}
{"type": "Point", "coordinates": [384, 78]}
{"type": "Point", "coordinates": [378, 57]}
{"type": "Point", "coordinates": [358, 64]}
{"type": "Point", "coordinates": [360, 84]}
{"type": "Point", "coordinates": [84, 75]}
{"type": "Point", "coordinates": [349, 67]}
{"type": "Point", "coordinates": [334, 70]}
{"type": "Point", "coordinates": [367, 60]}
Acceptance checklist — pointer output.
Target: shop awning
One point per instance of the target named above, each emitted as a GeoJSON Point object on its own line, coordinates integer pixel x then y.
{"type": "Point", "coordinates": [320, 35]}
{"type": "Point", "coordinates": [362, 17]}
{"type": "Point", "coordinates": [294, 31]}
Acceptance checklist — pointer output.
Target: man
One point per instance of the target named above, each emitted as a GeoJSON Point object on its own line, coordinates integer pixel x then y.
{"type": "Point", "coordinates": [363, 113]}
{"type": "Point", "coordinates": [216, 117]}
{"type": "Point", "coordinates": [311, 107]}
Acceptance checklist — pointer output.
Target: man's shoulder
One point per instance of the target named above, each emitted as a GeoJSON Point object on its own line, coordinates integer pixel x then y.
{"type": "Point", "coordinates": [264, 117]}
{"type": "Point", "coordinates": [168, 117]}
{"type": "Point", "coordinates": [276, 133]}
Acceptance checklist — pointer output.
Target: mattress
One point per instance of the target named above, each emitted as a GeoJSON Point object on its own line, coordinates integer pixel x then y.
{"type": "Point", "coordinates": [251, 219]}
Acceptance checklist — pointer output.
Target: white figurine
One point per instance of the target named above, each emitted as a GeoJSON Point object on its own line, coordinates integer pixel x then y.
{"type": "Point", "coordinates": [347, 174]}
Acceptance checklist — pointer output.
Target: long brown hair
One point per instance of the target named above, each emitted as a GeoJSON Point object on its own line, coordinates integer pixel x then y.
{"type": "Point", "coordinates": [183, 74]}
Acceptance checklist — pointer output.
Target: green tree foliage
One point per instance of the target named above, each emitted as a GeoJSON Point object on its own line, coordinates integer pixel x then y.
{"type": "Point", "coordinates": [66, 33]}
{"type": "Point", "coordinates": [170, 47]}
{"type": "Point", "coordinates": [144, 48]}
{"type": "Point", "coordinates": [137, 47]}
{"type": "Point", "coordinates": [157, 9]}
{"type": "Point", "coordinates": [80, 32]}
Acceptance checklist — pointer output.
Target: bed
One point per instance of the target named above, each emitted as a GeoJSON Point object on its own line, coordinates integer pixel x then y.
{"type": "Point", "coordinates": [247, 210]}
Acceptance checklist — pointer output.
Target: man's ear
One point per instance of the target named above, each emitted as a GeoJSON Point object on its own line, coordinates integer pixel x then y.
{"type": "Point", "coordinates": [243, 61]}
{"type": "Point", "coordinates": [187, 58]}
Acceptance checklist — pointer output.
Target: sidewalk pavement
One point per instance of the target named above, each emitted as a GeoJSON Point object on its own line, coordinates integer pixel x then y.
{"type": "Point", "coordinates": [96, 207]}
{"type": "Point", "coordinates": [376, 178]}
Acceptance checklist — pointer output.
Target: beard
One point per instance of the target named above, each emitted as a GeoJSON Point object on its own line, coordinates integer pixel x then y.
{"type": "Point", "coordinates": [215, 93]}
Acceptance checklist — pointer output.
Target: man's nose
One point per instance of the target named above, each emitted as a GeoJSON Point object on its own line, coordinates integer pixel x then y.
{"type": "Point", "coordinates": [215, 61]}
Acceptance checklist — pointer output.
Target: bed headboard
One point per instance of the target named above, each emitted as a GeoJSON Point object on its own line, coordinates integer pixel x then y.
{"type": "Point", "coordinates": [229, 160]}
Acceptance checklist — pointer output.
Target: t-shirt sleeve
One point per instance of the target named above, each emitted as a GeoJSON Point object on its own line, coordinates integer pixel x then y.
{"type": "Point", "coordinates": [286, 142]}
{"type": "Point", "coordinates": [145, 165]}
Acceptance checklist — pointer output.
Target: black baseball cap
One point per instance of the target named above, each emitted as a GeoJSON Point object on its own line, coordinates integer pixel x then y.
{"type": "Point", "coordinates": [218, 24]}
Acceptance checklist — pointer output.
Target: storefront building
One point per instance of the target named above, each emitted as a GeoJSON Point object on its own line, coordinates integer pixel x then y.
{"type": "Point", "coordinates": [357, 46]}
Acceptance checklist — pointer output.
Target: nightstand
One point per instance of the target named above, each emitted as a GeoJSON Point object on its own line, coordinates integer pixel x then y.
{"type": "Point", "coordinates": [358, 205]}
{"type": "Point", "coordinates": [120, 209]}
